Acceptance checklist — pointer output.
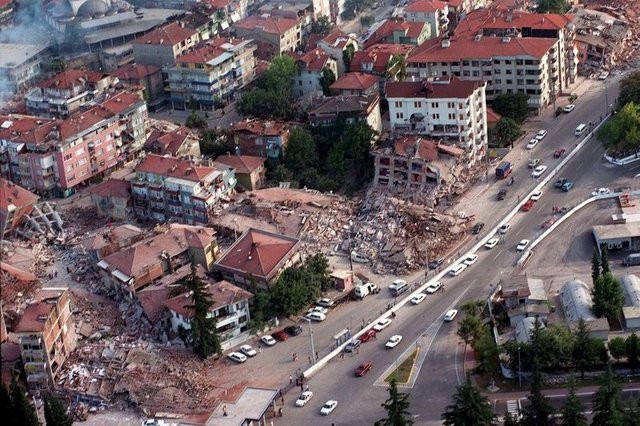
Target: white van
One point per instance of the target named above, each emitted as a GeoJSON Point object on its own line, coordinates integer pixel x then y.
{"type": "Point", "coordinates": [457, 269]}
{"type": "Point", "coordinates": [316, 316]}
{"type": "Point", "coordinates": [581, 129]}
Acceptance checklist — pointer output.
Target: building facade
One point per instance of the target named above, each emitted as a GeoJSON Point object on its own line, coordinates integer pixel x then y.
{"type": "Point", "coordinates": [335, 44]}
{"type": "Point", "coordinates": [312, 67]}
{"type": "Point", "coordinates": [275, 35]}
{"type": "Point", "coordinates": [15, 204]}
{"type": "Point", "coordinates": [433, 12]}
{"type": "Point", "coordinates": [351, 109]}
{"type": "Point", "coordinates": [163, 45]}
{"type": "Point", "coordinates": [261, 138]}
{"type": "Point", "coordinates": [20, 66]}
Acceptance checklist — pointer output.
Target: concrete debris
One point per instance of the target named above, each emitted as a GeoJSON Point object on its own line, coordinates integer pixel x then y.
{"type": "Point", "coordinates": [43, 220]}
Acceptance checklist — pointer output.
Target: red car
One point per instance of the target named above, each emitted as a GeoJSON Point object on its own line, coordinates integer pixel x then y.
{"type": "Point", "coordinates": [363, 368]}
{"type": "Point", "coordinates": [280, 335]}
{"type": "Point", "coordinates": [527, 206]}
{"type": "Point", "coordinates": [559, 153]}
{"type": "Point", "coordinates": [368, 335]}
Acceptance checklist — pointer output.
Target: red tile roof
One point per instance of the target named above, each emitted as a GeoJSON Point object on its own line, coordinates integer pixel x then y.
{"type": "Point", "coordinates": [267, 24]}
{"type": "Point", "coordinates": [244, 164]}
{"type": "Point", "coordinates": [169, 142]}
{"type": "Point", "coordinates": [484, 49]}
{"type": "Point", "coordinates": [355, 81]}
{"type": "Point", "coordinates": [121, 101]}
{"type": "Point", "coordinates": [222, 293]}
{"type": "Point", "coordinates": [36, 314]}
{"type": "Point", "coordinates": [416, 147]}
{"type": "Point", "coordinates": [258, 253]}
{"type": "Point", "coordinates": [492, 116]}
{"type": "Point", "coordinates": [12, 194]}
{"type": "Point", "coordinates": [174, 167]}
{"type": "Point", "coordinates": [209, 50]}
{"type": "Point", "coordinates": [435, 88]}
{"type": "Point", "coordinates": [496, 19]}
{"type": "Point", "coordinates": [4, 3]}
{"type": "Point", "coordinates": [116, 236]}
{"type": "Point", "coordinates": [66, 80]}
{"type": "Point", "coordinates": [117, 188]}
{"type": "Point", "coordinates": [168, 35]}
{"type": "Point", "coordinates": [424, 6]}
{"type": "Point", "coordinates": [135, 71]}
{"type": "Point", "coordinates": [25, 128]}
{"type": "Point", "coordinates": [314, 60]}
{"type": "Point", "coordinates": [391, 26]}
{"type": "Point", "coordinates": [17, 273]}
{"type": "Point", "coordinates": [337, 39]}
{"type": "Point", "coordinates": [260, 127]}
{"type": "Point", "coordinates": [379, 55]}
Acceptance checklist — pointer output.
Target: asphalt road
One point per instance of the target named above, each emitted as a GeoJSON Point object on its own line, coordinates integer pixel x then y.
{"type": "Point", "coordinates": [421, 325]}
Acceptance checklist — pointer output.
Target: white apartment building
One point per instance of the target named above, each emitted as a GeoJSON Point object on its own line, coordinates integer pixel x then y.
{"type": "Point", "coordinates": [433, 12]}
{"type": "Point", "coordinates": [506, 64]}
{"type": "Point", "coordinates": [449, 110]}
{"type": "Point", "coordinates": [311, 66]}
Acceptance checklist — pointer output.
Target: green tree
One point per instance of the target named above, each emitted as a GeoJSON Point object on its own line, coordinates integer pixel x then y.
{"type": "Point", "coordinates": [632, 349]}
{"type": "Point", "coordinates": [397, 68]}
{"type": "Point", "coordinates": [470, 328]}
{"type": "Point", "coordinates": [55, 412]}
{"type": "Point", "coordinates": [617, 348]}
{"type": "Point", "coordinates": [583, 355]}
{"type": "Point", "coordinates": [321, 26]}
{"type": "Point", "coordinates": [7, 406]}
{"type": "Point", "coordinates": [512, 105]}
{"type": "Point", "coordinates": [358, 161]}
{"type": "Point", "coordinates": [24, 413]}
{"type": "Point", "coordinates": [367, 20]}
{"type": "Point", "coordinates": [194, 121]}
{"type": "Point", "coordinates": [510, 419]}
{"type": "Point", "coordinates": [214, 143]}
{"type": "Point", "coordinates": [595, 266]}
{"type": "Point", "coordinates": [539, 411]}
{"type": "Point", "coordinates": [469, 408]}
{"type": "Point", "coordinates": [506, 132]}
{"type": "Point", "coordinates": [607, 405]}
{"type": "Point", "coordinates": [604, 259]}
{"type": "Point", "coordinates": [300, 154]}
{"type": "Point", "coordinates": [397, 408]}
{"type": "Point", "coordinates": [607, 297]}
{"type": "Point", "coordinates": [327, 79]}
{"type": "Point", "coordinates": [622, 131]}
{"type": "Point", "coordinates": [553, 6]}
{"type": "Point", "coordinates": [472, 307]}
{"type": "Point", "coordinates": [202, 334]}
{"type": "Point", "coordinates": [630, 89]}
{"type": "Point", "coordinates": [572, 410]}
{"type": "Point", "coordinates": [488, 354]}
{"type": "Point", "coordinates": [632, 412]}
{"type": "Point", "coordinates": [347, 56]}
{"type": "Point", "coordinates": [318, 268]}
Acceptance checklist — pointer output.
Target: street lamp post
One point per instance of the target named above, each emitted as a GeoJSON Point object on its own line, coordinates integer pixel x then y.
{"type": "Point", "coordinates": [313, 347]}
{"type": "Point", "coordinates": [519, 369]}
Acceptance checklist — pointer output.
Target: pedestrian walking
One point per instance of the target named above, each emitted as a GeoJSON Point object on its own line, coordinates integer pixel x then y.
{"type": "Point", "coordinates": [317, 355]}
{"type": "Point", "coordinates": [310, 361]}
{"type": "Point", "coordinates": [224, 410]}
{"type": "Point", "coordinates": [301, 387]}
{"type": "Point", "coordinates": [282, 400]}
{"type": "Point", "coordinates": [259, 348]}
{"type": "Point", "coordinates": [290, 379]}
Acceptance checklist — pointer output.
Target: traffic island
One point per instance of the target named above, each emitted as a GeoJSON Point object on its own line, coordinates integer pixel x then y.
{"type": "Point", "coordinates": [403, 372]}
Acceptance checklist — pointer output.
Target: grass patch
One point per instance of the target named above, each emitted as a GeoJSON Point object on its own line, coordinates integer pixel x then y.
{"type": "Point", "coordinates": [403, 372]}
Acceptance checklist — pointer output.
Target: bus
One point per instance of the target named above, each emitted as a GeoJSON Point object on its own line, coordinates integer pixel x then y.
{"type": "Point", "coordinates": [398, 287]}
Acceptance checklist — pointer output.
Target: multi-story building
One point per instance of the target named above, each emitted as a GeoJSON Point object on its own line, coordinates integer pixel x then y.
{"type": "Point", "coordinates": [211, 73]}
{"type": "Point", "coordinates": [274, 35]}
{"type": "Point", "coordinates": [399, 31]}
{"type": "Point", "coordinates": [6, 13]}
{"type": "Point", "coordinates": [129, 270]}
{"type": "Point", "coordinates": [433, 12]}
{"type": "Point", "coordinates": [55, 156]}
{"type": "Point", "coordinates": [15, 204]}
{"type": "Point", "coordinates": [179, 190]}
{"type": "Point", "coordinates": [381, 59]}
{"type": "Point", "coordinates": [506, 64]}
{"type": "Point", "coordinates": [230, 308]}
{"type": "Point", "coordinates": [46, 336]}
{"type": "Point", "coordinates": [356, 83]}
{"type": "Point", "coordinates": [112, 58]}
{"type": "Point", "coordinates": [261, 138]}
{"type": "Point", "coordinates": [458, 9]}
{"type": "Point", "coordinates": [112, 198]}
{"type": "Point", "coordinates": [335, 44]}
{"type": "Point", "coordinates": [64, 93]}
{"type": "Point", "coordinates": [350, 109]}
{"type": "Point", "coordinates": [20, 66]}
{"type": "Point", "coordinates": [178, 142]}
{"type": "Point", "coordinates": [336, 8]}
{"type": "Point", "coordinates": [147, 76]}
{"type": "Point", "coordinates": [445, 108]}
{"type": "Point", "coordinates": [249, 170]}
{"type": "Point", "coordinates": [111, 239]}
{"type": "Point", "coordinates": [163, 45]}
{"type": "Point", "coordinates": [312, 67]}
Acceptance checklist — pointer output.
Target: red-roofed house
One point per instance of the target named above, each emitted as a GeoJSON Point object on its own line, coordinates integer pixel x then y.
{"type": "Point", "coordinates": [312, 67]}
{"type": "Point", "coordinates": [15, 204]}
{"type": "Point", "coordinates": [258, 255]}
{"type": "Point", "coordinates": [109, 240]}
{"type": "Point", "coordinates": [446, 108]}
{"type": "Point", "coordinates": [281, 35]}
{"type": "Point", "coordinates": [249, 170]}
{"type": "Point", "coordinates": [230, 309]}
{"type": "Point", "coordinates": [64, 93]}
{"type": "Point", "coordinates": [112, 198]}
{"type": "Point", "coordinates": [350, 109]}
{"type": "Point", "coordinates": [171, 189]}
{"type": "Point", "coordinates": [46, 335]}
{"type": "Point", "coordinates": [399, 31]}
{"type": "Point", "coordinates": [180, 142]}
{"type": "Point", "coordinates": [377, 59]}
{"type": "Point", "coordinates": [141, 75]}
{"type": "Point", "coordinates": [335, 44]}
{"type": "Point", "coordinates": [432, 12]}
{"type": "Point", "coordinates": [260, 138]}
{"type": "Point", "coordinates": [161, 46]}
{"type": "Point", "coordinates": [356, 83]}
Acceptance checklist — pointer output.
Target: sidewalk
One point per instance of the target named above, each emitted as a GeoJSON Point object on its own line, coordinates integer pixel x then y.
{"type": "Point", "coordinates": [554, 393]}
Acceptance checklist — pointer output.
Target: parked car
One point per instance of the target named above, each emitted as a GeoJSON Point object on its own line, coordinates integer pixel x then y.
{"type": "Point", "coordinates": [382, 324]}
{"type": "Point", "coordinates": [393, 341]}
{"type": "Point", "coordinates": [328, 407]}
{"type": "Point", "coordinates": [559, 153]}
{"type": "Point", "coordinates": [477, 228]}
{"type": "Point", "coordinates": [538, 171]}
{"type": "Point", "coordinates": [491, 243]}
{"type": "Point", "coordinates": [280, 336]}
{"type": "Point", "coordinates": [532, 143]}
{"type": "Point", "coordinates": [293, 330]}
{"type": "Point", "coordinates": [450, 315]}
{"type": "Point", "coordinates": [248, 350]}
{"type": "Point", "coordinates": [536, 196]}
{"type": "Point", "coordinates": [457, 269]}
{"type": "Point", "coordinates": [541, 134]}
{"type": "Point", "coordinates": [316, 316]}
{"type": "Point", "coordinates": [325, 302]}
{"type": "Point", "coordinates": [504, 228]}
{"type": "Point", "coordinates": [304, 398]}
{"type": "Point", "coordinates": [320, 309]}
{"type": "Point", "coordinates": [534, 162]}
{"type": "Point", "coordinates": [502, 194]}
{"type": "Point", "coordinates": [268, 340]}
{"type": "Point", "coordinates": [603, 75]}
{"type": "Point", "coordinates": [568, 108]}
{"type": "Point", "coordinates": [363, 368]}
{"type": "Point", "coordinates": [560, 182]}
{"type": "Point", "coordinates": [601, 191]}
{"type": "Point", "coordinates": [237, 357]}
{"type": "Point", "coordinates": [567, 186]}
{"type": "Point", "coordinates": [522, 245]}
{"type": "Point", "coordinates": [418, 298]}
{"type": "Point", "coordinates": [470, 259]}
{"type": "Point", "coordinates": [352, 345]}
{"type": "Point", "coordinates": [368, 335]}
{"type": "Point", "coordinates": [436, 263]}
{"type": "Point", "coordinates": [433, 287]}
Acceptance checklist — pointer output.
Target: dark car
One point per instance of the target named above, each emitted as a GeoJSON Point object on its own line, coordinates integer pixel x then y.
{"type": "Point", "coordinates": [369, 334]}
{"type": "Point", "coordinates": [502, 194]}
{"type": "Point", "coordinates": [293, 330]}
{"type": "Point", "coordinates": [559, 152]}
{"type": "Point", "coordinates": [281, 335]}
{"type": "Point", "coordinates": [364, 368]}
{"type": "Point", "coordinates": [561, 182]}
{"type": "Point", "coordinates": [435, 264]}
{"type": "Point", "coordinates": [477, 228]}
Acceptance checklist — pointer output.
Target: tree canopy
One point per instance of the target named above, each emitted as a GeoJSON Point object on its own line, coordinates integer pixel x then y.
{"type": "Point", "coordinates": [506, 131]}
{"type": "Point", "coordinates": [572, 410]}
{"type": "Point", "coordinates": [202, 334]}
{"type": "Point", "coordinates": [20, 412]}
{"type": "Point", "coordinates": [622, 131]}
{"type": "Point", "coordinates": [607, 297]}
{"type": "Point", "coordinates": [630, 89]}
{"type": "Point", "coordinates": [512, 105]}
{"type": "Point", "coordinates": [607, 405]}
{"type": "Point", "coordinates": [397, 408]}
{"type": "Point", "coordinates": [321, 26]}
{"type": "Point", "coordinates": [469, 407]}
{"type": "Point", "coordinates": [55, 412]}
{"type": "Point", "coordinates": [553, 6]}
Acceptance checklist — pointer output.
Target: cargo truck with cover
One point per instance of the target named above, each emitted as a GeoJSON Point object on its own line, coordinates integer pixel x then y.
{"type": "Point", "coordinates": [503, 170]}
{"type": "Point", "coordinates": [363, 290]}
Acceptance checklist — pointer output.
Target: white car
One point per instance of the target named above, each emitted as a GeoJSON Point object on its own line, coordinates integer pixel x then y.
{"type": "Point", "coordinates": [603, 76]}
{"type": "Point", "coordinates": [536, 196]}
{"type": "Point", "coordinates": [248, 350]}
{"type": "Point", "coordinates": [532, 143]}
{"type": "Point", "coordinates": [434, 287]}
{"type": "Point", "coordinates": [382, 324]}
{"type": "Point", "coordinates": [538, 171]}
{"type": "Point", "coordinates": [450, 315]}
{"type": "Point", "coordinates": [393, 341]}
{"type": "Point", "coordinates": [457, 269]}
{"type": "Point", "coordinates": [268, 340]}
{"type": "Point", "coordinates": [318, 309]}
{"type": "Point", "coordinates": [522, 245]}
{"type": "Point", "coordinates": [419, 298]}
{"type": "Point", "coordinates": [491, 243]}
{"type": "Point", "coordinates": [304, 398]}
{"type": "Point", "coordinates": [601, 191]}
{"type": "Point", "coordinates": [328, 407]}
{"type": "Point", "coordinates": [237, 357]}
{"type": "Point", "coordinates": [316, 316]}
{"type": "Point", "coordinates": [504, 228]}
{"type": "Point", "coordinates": [569, 108]}
{"type": "Point", "coordinates": [541, 134]}
{"type": "Point", "coordinates": [326, 302]}
{"type": "Point", "coordinates": [470, 259]}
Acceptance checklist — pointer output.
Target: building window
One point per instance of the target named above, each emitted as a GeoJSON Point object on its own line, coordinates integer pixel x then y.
{"type": "Point", "coordinates": [476, 73]}
{"type": "Point", "coordinates": [68, 157]}
{"type": "Point", "coordinates": [435, 116]}
{"type": "Point", "coordinates": [452, 116]}
{"type": "Point", "coordinates": [434, 104]}
{"type": "Point", "coordinates": [399, 115]}
{"type": "Point", "coordinates": [417, 104]}
{"type": "Point", "coordinates": [398, 104]}
{"type": "Point", "coordinates": [451, 105]}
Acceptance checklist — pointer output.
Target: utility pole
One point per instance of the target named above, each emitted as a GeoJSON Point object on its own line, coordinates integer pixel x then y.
{"type": "Point", "coordinates": [313, 347]}
{"type": "Point", "coordinates": [519, 369]}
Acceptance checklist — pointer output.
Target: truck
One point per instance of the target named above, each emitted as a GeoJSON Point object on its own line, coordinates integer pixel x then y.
{"type": "Point", "coordinates": [632, 260]}
{"type": "Point", "coordinates": [363, 290]}
{"type": "Point", "coordinates": [503, 170]}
